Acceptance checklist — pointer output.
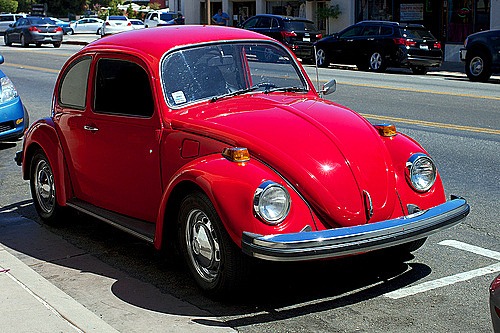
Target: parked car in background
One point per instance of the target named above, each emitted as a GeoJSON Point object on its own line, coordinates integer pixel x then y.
{"type": "Point", "coordinates": [376, 45]}
{"type": "Point", "coordinates": [481, 54]}
{"type": "Point", "coordinates": [137, 24]}
{"type": "Point", "coordinates": [159, 18]}
{"type": "Point", "coordinates": [34, 30]}
{"type": "Point", "coordinates": [115, 24]}
{"type": "Point", "coordinates": [194, 141]}
{"type": "Point", "coordinates": [87, 26]}
{"type": "Point", "coordinates": [64, 25]}
{"type": "Point", "coordinates": [7, 19]}
{"type": "Point", "coordinates": [298, 34]}
{"type": "Point", "coordinates": [495, 304]}
{"type": "Point", "coordinates": [14, 119]}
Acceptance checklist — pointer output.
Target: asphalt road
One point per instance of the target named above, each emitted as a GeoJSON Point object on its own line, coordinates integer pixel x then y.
{"type": "Point", "coordinates": [443, 287]}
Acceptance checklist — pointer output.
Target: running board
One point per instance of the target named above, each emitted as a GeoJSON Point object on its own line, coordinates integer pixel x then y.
{"type": "Point", "coordinates": [138, 228]}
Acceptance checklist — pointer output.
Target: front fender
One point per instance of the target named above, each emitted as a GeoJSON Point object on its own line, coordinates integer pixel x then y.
{"type": "Point", "coordinates": [231, 187]}
{"type": "Point", "coordinates": [43, 135]}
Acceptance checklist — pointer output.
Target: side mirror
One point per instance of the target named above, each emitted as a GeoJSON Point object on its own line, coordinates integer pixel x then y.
{"type": "Point", "coordinates": [329, 87]}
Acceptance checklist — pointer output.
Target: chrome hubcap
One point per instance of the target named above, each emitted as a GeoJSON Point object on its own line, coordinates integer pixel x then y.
{"type": "Point", "coordinates": [44, 186]}
{"type": "Point", "coordinates": [476, 66]}
{"type": "Point", "coordinates": [203, 245]}
{"type": "Point", "coordinates": [375, 61]}
{"type": "Point", "coordinates": [320, 57]}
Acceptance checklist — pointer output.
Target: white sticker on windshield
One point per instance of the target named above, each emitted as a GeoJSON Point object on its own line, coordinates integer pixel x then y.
{"type": "Point", "coordinates": [179, 97]}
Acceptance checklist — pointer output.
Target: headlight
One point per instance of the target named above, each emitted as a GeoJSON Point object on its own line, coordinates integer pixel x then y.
{"type": "Point", "coordinates": [8, 91]}
{"type": "Point", "coordinates": [421, 172]}
{"type": "Point", "coordinates": [271, 202]}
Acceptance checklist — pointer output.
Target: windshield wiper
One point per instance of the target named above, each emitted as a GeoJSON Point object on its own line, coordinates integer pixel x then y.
{"type": "Point", "coordinates": [287, 89]}
{"type": "Point", "coordinates": [235, 93]}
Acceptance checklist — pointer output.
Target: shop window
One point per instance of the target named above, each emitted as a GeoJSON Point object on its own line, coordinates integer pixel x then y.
{"type": "Point", "coordinates": [466, 17]}
{"type": "Point", "coordinates": [374, 10]}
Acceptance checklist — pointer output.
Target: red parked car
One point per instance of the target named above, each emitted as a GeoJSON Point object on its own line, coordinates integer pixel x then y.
{"type": "Point", "coordinates": [217, 141]}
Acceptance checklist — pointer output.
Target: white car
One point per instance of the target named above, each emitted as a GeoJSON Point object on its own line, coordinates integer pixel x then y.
{"type": "Point", "coordinates": [115, 24]}
{"type": "Point", "coordinates": [137, 24]}
{"type": "Point", "coordinates": [163, 17]}
{"type": "Point", "coordinates": [87, 26]}
{"type": "Point", "coordinates": [7, 19]}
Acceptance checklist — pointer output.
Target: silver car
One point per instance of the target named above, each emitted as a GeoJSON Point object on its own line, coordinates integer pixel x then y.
{"type": "Point", "coordinates": [34, 30]}
{"type": "Point", "coordinates": [495, 304]}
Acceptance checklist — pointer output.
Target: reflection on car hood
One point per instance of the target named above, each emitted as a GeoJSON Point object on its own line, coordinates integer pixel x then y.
{"type": "Point", "coordinates": [328, 153]}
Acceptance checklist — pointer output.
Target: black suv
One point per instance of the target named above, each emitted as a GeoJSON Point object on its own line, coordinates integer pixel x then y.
{"type": "Point", "coordinates": [297, 33]}
{"type": "Point", "coordinates": [376, 45]}
{"type": "Point", "coordinates": [481, 54]}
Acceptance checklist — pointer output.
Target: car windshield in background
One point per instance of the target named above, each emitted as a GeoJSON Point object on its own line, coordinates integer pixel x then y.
{"type": "Point", "coordinates": [214, 71]}
{"type": "Point", "coordinates": [118, 18]}
{"type": "Point", "coordinates": [167, 16]}
{"type": "Point", "coordinates": [417, 33]}
{"type": "Point", "coordinates": [41, 21]}
{"type": "Point", "coordinates": [299, 26]}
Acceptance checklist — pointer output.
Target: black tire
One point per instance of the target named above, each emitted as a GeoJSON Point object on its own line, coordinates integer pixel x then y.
{"type": "Point", "coordinates": [43, 189]}
{"type": "Point", "coordinates": [377, 62]}
{"type": "Point", "coordinates": [57, 44]}
{"type": "Point", "coordinates": [98, 32]}
{"type": "Point", "coordinates": [70, 32]}
{"type": "Point", "coordinates": [23, 41]}
{"type": "Point", "coordinates": [7, 40]}
{"type": "Point", "coordinates": [419, 70]}
{"type": "Point", "coordinates": [478, 66]}
{"type": "Point", "coordinates": [322, 59]}
{"type": "Point", "coordinates": [221, 267]}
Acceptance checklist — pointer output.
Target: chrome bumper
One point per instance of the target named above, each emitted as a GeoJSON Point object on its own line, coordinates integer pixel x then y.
{"type": "Point", "coordinates": [355, 240]}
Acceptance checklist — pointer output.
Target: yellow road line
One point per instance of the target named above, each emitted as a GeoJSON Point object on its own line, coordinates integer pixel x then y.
{"type": "Point", "coordinates": [365, 85]}
{"type": "Point", "coordinates": [432, 124]}
{"type": "Point", "coordinates": [48, 70]}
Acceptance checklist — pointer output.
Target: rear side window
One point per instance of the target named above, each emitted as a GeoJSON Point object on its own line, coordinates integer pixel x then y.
{"type": "Point", "coordinates": [386, 31]}
{"type": "Point", "coordinates": [416, 33]}
{"type": "Point", "coordinates": [122, 87]}
{"type": "Point", "coordinates": [264, 22]}
{"type": "Point", "coordinates": [371, 30]}
{"type": "Point", "coordinates": [73, 88]}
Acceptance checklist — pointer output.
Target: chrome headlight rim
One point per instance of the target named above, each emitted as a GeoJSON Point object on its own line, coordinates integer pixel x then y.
{"type": "Point", "coordinates": [259, 207]}
{"type": "Point", "coordinates": [412, 172]}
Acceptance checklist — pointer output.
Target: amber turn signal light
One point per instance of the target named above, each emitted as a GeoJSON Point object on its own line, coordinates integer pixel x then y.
{"type": "Point", "coordinates": [386, 130]}
{"type": "Point", "coordinates": [236, 154]}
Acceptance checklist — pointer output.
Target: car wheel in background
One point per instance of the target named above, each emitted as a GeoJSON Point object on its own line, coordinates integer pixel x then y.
{"type": "Point", "coordinates": [98, 32]}
{"type": "Point", "coordinates": [38, 44]}
{"type": "Point", "coordinates": [321, 58]}
{"type": "Point", "coordinates": [215, 262]}
{"type": "Point", "coordinates": [57, 44]}
{"type": "Point", "coordinates": [420, 70]}
{"type": "Point", "coordinates": [7, 40]}
{"type": "Point", "coordinates": [43, 188]}
{"type": "Point", "coordinates": [70, 32]}
{"type": "Point", "coordinates": [477, 66]}
{"type": "Point", "coordinates": [23, 41]}
{"type": "Point", "coordinates": [376, 62]}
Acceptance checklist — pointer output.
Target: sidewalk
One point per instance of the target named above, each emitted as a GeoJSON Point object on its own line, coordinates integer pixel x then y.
{"type": "Point", "coordinates": [103, 298]}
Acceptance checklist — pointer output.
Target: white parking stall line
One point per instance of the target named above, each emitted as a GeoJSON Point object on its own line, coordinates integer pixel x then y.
{"type": "Point", "coordinates": [449, 280]}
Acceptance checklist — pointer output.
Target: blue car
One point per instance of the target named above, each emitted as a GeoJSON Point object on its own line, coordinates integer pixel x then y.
{"type": "Point", "coordinates": [14, 118]}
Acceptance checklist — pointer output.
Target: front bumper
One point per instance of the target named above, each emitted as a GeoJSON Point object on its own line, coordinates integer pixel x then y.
{"type": "Point", "coordinates": [355, 240]}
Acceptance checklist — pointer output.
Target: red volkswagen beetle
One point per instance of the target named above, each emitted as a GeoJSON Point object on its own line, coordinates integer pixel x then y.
{"type": "Point", "coordinates": [214, 138]}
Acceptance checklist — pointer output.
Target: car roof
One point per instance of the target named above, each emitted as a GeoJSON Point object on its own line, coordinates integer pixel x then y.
{"type": "Point", "coordinates": [285, 18]}
{"type": "Point", "coordinates": [397, 24]}
{"type": "Point", "coordinates": [157, 41]}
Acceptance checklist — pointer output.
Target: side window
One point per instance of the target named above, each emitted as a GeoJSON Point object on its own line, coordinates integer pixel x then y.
{"type": "Point", "coordinates": [251, 23]}
{"type": "Point", "coordinates": [275, 23]}
{"type": "Point", "coordinates": [371, 30]}
{"type": "Point", "coordinates": [265, 22]}
{"type": "Point", "coordinates": [386, 31]}
{"type": "Point", "coordinates": [73, 88]}
{"type": "Point", "coordinates": [352, 32]}
{"type": "Point", "coordinates": [122, 87]}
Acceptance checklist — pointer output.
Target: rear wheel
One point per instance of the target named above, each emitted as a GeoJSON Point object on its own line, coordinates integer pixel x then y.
{"type": "Point", "coordinates": [23, 41]}
{"type": "Point", "coordinates": [419, 70]}
{"type": "Point", "coordinates": [321, 58]}
{"type": "Point", "coordinates": [43, 188]}
{"type": "Point", "coordinates": [377, 62]}
{"type": "Point", "coordinates": [57, 44]}
{"type": "Point", "coordinates": [70, 32]}
{"type": "Point", "coordinates": [216, 263]}
{"type": "Point", "coordinates": [478, 66]}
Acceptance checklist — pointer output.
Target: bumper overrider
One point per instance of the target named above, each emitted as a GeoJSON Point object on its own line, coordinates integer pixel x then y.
{"type": "Point", "coordinates": [355, 240]}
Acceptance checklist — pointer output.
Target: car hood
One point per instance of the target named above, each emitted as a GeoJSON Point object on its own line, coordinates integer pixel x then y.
{"type": "Point", "coordinates": [332, 156]}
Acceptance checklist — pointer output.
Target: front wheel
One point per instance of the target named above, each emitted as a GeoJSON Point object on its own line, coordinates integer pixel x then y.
{"type": "Point", "coordinates": [23, 41]}
{"type": "Point", "coordinates": [43, 188]}
{"type": "Point", "coordinates": [215, 262]}
{"type": "Point", "coordinates": [7, 40]}
{"type": "Point", "coordinates": [377, 62]}
{"type": "Point", "coordinates": [477, 66]}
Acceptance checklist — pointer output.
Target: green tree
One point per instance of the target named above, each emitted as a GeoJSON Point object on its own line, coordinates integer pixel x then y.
{"type": "Point", "coordinates": [328, 12]}
{"type": "Point", "coordinates": [8, 6]}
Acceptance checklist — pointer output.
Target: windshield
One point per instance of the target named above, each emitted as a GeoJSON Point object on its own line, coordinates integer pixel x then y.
{"type": "Point", "coordinates": [41, 20]}
{"type": "Point", "coordinates": [417, 33]}
{"type": "Point", "coordinates": [166, 16]}
{"type": "Point", "coordinates": [300, 26]}
{"type": "Point", "coordinates": [214, 71]}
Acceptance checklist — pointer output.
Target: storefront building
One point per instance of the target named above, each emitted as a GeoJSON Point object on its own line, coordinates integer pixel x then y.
{"type": "Point", "coordinates": [451, 21]}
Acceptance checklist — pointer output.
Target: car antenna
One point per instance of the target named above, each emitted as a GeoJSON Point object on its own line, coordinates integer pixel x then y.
{"type": "Point", "coordinates": [316, 66]}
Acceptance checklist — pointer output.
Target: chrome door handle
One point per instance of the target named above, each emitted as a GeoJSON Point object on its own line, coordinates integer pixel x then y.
{"type": "Point", "coordinates": [90, 128]}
